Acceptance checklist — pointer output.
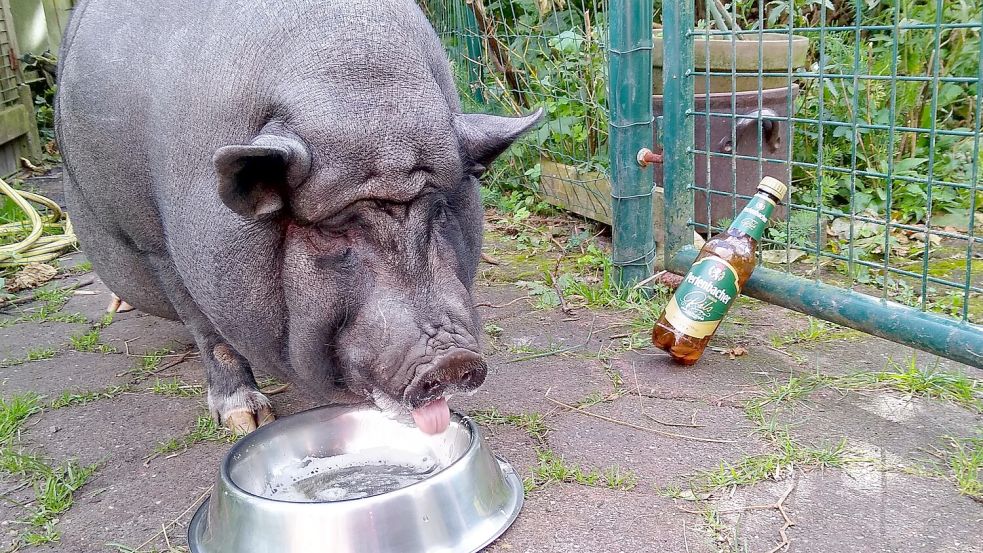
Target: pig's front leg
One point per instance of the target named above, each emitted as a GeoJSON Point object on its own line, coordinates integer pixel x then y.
{"type": "Point", "coordinates": [233, 396]}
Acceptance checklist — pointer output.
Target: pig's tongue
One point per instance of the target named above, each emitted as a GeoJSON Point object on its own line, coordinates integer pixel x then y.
{"type": "Point", "coordinates": [434, 417]}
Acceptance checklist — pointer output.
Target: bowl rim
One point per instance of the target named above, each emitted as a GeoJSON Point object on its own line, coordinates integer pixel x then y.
{"type": "Point", "coordinates": [198, 522]}
{"type": "Point", "coordinates": [230, 484]}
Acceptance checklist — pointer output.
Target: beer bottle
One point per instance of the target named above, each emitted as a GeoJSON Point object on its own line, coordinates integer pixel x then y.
{"type": "Point", "coordinates": [715, 279]}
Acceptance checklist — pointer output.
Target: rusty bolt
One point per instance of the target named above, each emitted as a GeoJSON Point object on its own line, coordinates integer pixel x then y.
{"type": "Point", "coordinates": [646, 156]}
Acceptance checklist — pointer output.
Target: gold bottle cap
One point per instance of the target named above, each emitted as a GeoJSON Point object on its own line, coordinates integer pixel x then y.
{"type": "Point", "coordinates": [774, 187]}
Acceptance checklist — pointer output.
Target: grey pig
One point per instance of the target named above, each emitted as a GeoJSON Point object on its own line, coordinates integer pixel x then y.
{"type": "Point", "coordinates": [293, 180]}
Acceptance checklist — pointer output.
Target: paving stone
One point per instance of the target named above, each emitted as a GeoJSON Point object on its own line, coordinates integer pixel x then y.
{"type": "Point", "coordinates": [859, 509]}
{"type": "Point", "coordinates": [19, 339]}
{"type": "Point", "coordinates": [568, 518]}
{"type": "Point", "coordinates": [69, 371]}
{"type": "Point", "coordinates": [140, 333]}
{"type": "Point", "coordinates": [658, 460]}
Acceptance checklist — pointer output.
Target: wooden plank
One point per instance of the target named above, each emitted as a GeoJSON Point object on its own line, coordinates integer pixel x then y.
{"type": "Point", "coordinates": [587, 194]}
{"type": "Point", "coordinates": [14, 123]}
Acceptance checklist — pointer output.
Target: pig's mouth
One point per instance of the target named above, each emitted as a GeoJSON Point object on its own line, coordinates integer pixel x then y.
{"type": "Point", "coordinates": [434, 417]}
{"type": "Point", "coordinates": [425, 397]}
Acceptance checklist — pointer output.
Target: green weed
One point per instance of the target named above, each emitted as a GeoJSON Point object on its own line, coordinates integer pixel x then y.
{"type": "Point", "coordinates": [148, 363]}
{"type": "Point", "coordinates": [205, 430]}
{"type": "Point", "coordinates": [54, 493]}
{"type": "Point", "coordinates": [553, 468]}
{"type": "Point", "coordinates": [533, 423]}
{"type": "Point", "coordinates": [89, 342]}
{"type": "Point", "coordinates": [80, 268]}
{"type": "Point", "coordinates": [40, 353]}
{"type": "Point", "coordinates": [75, 399]}
{"type": "Point", "coordinates": [493, 330]}
{"type": "Point", "coordinates": [909, 379]}
{"type": "Point", "coordinates": [14, 412]}
{"type": "Point", "coordinates": [965, 459]}
{"type": "Point", "coordinates": [54, 298]}
{"type": "Point", "coordinates": [54, 486]}
{"type": "Point", "coordinates": [174, 387]}
{"type": "Point", "coordinates": [818, 332]}
{"type": "Point", "coordinates": [756, 468]}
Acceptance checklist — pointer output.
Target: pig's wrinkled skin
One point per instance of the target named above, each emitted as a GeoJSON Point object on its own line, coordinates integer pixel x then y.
{"type": "Point", "coordinates": [293, 180]}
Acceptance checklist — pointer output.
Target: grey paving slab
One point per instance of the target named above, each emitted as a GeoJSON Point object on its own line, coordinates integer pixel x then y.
{"type": "Point", "coordinates": [858, 509]}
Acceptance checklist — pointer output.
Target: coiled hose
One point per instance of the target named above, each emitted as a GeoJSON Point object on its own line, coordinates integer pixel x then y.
{"type": "Point", "coordinates": [47, 239]}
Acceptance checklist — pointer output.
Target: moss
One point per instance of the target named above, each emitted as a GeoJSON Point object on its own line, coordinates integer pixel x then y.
{"type": "Point", "coordinates": [951, 267]}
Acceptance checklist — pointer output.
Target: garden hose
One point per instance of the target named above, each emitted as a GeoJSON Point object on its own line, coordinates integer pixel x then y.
{"type": "Point", "coordinates": [37, 246]}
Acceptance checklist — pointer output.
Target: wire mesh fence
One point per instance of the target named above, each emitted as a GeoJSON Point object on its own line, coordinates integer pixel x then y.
{"type": "Point", "coordinates": [510, 56]}
{"type": "Point", "coordinates": [869, 109]}
{"type": "Point", "coordinates": [872, 111]}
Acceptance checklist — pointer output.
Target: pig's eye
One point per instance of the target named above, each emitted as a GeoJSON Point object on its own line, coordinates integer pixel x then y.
{"type": "Point", "coordinates": [337, 225]}
{"type": "Point", "coordinates": [440, 213]}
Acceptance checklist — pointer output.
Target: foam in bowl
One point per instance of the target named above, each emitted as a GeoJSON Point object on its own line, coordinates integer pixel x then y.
{"type": "Point", "coordinates": [349, 475]}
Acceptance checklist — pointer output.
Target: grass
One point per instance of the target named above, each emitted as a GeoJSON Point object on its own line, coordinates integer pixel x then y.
{"type": "Point", "coordinates": [752, 469]}
{"type": "Point", "coordinates": [595, 398]}
{"type": "Point", "coordinates": [53, 298]}
{"type": "Point", "coordinates": [533, 423]}
{"type": "Point", "coordinates": [40, 353]}
{"type": "Point", "coordinates": [787, 454]}
{"type": "Point", "coordinates": [149, 362]}
{"type": "Point", "coordinates": [175, 387]}
{"type": "Point", "coordinates": [74, 399]}
{"type": "Point", "coordinates": [723, 535]}
{"type": "Point", "coordinates": [45, 315]}
{"type": "Point", "coordinates": [818, 332]}
{"type": "Point", "coordinates": [205, 430]}
{"type": "Point", "coordinates": [52, 301]}
{"type": "Point", "coordinates": [553, 468]}
{"type": "Point", "coordinates": [587, 279]}
{"type": "Point", "coordinates": [89, 342]}
{"type": "Point", "coordinates": [54, 494]}
{"type": "Point", "coordinates": [80, 269]}
{"type": "Point", "coordinates": [907, 378]}
{"type": "Point", "coordinates": [493, 330]}
{"type": "Point", "coordinates": [14, 412]}
{"type": "Point", "coordinates": [964, 457]}
{"type": "Point", "coordinates": [54, 486]}
{"type": "Point", "coordinates": [36, 354]}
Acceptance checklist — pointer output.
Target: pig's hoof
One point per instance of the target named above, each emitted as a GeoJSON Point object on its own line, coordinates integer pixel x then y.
{"type": "Point", "coordinates": [243, 411]}
{"type": "Point", "coordinates": [244, 422]}
{"type": "Point", "coordinates": [117, 305]}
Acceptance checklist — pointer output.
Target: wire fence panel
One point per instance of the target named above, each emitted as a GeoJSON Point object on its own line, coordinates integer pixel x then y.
{"type": "Point", "coordinates": [871, 110]}
{"type": "Point", "coordinates": [511, 56]}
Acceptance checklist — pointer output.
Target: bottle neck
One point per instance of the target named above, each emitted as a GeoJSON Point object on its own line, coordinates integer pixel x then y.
{"type": "Point", "coordinates": [753, 219]}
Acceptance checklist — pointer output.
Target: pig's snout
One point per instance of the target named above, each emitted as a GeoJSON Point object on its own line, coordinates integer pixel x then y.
{"type": "Point", "coordinates": [459, 370]}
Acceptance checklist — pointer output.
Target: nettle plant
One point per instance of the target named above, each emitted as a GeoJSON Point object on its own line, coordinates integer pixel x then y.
{"type": "Point", "coordinates": [905, 154]}
{"type": "Point", "coordinates": [572, 85]}
{"type": "Point", "coordinates": [554, 57]}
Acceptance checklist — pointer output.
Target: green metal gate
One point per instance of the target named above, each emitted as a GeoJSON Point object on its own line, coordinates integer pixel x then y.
{"type": "Point", "coordinates": [870, 109]}
{"type": "Point", "coordinates": [878, 130]}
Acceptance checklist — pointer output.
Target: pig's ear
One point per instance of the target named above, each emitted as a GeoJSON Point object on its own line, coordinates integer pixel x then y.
{"type": "Point", "coordinates": [485, 137]}
{"type": "Point", "coordinates": [253, 180]}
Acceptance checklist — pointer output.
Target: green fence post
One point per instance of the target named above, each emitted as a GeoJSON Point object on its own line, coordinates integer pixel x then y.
{"type": "Point", "coordinates": [677, 133]}
{"type": "Point", "coordinates": [630, 101]}
{"type": "Point", "coordinates": [473, 41]}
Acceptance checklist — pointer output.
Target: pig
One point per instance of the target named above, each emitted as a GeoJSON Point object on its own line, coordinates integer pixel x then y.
{"type": "Point", "coordinates": [293, 180]}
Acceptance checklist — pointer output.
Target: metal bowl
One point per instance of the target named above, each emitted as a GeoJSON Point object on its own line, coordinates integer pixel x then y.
{"type": "Point", "coordinates": [463, 504]}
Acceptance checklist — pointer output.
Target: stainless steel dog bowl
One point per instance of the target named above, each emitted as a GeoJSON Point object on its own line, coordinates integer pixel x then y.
{"type": "Point", "coordinates": [465, 503]}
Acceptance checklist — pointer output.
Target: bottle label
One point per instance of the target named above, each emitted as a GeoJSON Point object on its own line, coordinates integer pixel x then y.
{"type": "Point", "coordinates": [702, 299]}
{"type": "Point", "coordinates": [754, 218]}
